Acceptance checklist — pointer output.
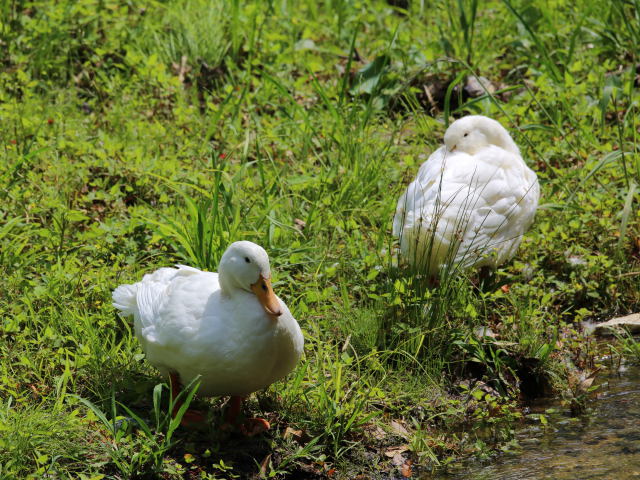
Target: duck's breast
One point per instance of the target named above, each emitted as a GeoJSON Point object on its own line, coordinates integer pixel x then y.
{"type": "Point", "coordinates": [238, 348]}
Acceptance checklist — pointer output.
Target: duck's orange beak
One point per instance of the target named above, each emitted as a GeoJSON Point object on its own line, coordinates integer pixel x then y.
{"type": "Point", "coordinates": [262, 289]}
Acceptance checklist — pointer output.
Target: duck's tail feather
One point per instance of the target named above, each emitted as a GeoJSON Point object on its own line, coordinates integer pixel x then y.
{"type": "Point", "coordinates": [124, 299]}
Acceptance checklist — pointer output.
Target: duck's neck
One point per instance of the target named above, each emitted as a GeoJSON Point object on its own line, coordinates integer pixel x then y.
{"type": "Point", "coordinates": [227, 284]}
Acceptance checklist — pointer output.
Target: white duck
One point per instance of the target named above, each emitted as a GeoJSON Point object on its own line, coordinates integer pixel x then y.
{"type": "Point", "coordinates": [471, 202]}
{"type": "Point", "coordinates": [228, 327]}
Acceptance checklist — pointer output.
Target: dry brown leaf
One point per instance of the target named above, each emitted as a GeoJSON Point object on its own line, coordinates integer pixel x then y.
{"type": "Point", "coordinates": [375, 431]}
{"type": "Point", "coordinates": [378, 433]}
{"type": "Point", "coordinates": [398, 459]}
{"type": "Point", "coordinates": [292, 432]}
{"type": "Point", "coordinates": [587, 382]}
{"type": "Point", "coordinates": [406, 469]}
{"type": "Point", "coordinates": [399, 429]}
{"type": "Point", "coordinates": [181, 69]}
{"type": "Point", "coordinates": [264, 465]}
{"type": "Point", "coordinates": [393, 451]}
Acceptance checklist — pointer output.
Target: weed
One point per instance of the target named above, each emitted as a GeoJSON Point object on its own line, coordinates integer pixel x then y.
{"type": "Point", "coordinates": [134, 136]}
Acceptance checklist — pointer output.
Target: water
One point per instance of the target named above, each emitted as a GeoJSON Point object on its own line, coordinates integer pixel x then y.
{"type": "Point", "coordinates": [602, 445]}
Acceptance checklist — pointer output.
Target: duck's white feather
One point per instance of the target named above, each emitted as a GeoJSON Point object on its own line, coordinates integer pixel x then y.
{"type": "Point", "coordinates": [470, 210]}
{"type": "Point", "coordinates": [187, 324]}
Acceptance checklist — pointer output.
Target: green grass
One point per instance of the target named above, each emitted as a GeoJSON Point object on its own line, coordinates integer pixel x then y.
{"type": "Point", "coordinates": [138, 135]}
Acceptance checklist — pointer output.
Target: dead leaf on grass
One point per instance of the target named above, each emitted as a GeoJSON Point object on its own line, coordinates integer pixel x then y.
{"type": "Point", "coordinates": [264, 465]}
{"type": "Point", "coordinates": [399, 429]}
{"type": "Point", "coordinates": [181, 69]}
{"type": "Point", "coordinates": [393, 451]}
{"type": "Point", "coordinates": [405, 470]}
{"type": "Point", "coordinates": [376, 432]}
{"type": "Point", "coordinates": [586, 383]}
{"type": "Point", "coordinates": [296, 435]}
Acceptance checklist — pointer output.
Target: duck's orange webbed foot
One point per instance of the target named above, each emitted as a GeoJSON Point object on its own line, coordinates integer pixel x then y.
{"type": "Point", "coordinates": [254, 426]}
{"type": "Point", "coordinates": [250, 427]}
{"type": "Point", "coordinates": [193, 418]}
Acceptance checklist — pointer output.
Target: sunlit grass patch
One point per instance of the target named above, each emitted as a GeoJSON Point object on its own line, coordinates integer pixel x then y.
{"type": "Point", "coordinates": [36, 442]}
{"type": "Point", "coordinates": [298, 125]}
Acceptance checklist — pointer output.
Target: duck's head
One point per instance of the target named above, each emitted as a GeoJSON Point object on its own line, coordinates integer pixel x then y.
{"type": "Point", "coordinates": [245, 265]}
{"type": "Point", "coordinates": [474, 132]}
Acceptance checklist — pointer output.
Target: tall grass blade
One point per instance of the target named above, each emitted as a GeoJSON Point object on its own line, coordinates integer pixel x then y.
{"type": "Point", "coordinates": [548, 62]}
{"type": "Point", "coordinates": [626, 213]}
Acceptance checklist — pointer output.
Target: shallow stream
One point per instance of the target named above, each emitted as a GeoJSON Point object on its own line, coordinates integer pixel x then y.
{"type": "Point", "coordinates": [604, 444]}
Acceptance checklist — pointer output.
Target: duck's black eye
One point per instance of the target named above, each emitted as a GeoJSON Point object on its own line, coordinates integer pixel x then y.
{"type": "Point", "coordinates": [246, 259]}
{"type": "Point", "coordinates": [264, 287]}
{"type": "Point", "coordinates": [465, 134]}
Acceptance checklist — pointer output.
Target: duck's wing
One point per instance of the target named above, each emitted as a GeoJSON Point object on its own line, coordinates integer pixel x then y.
{"type": "Point", "coordinates": [150, 301]}
{"type": "Point", "coordinates": [127, 298]}
{"type": "Point", "coordinates": [500, 209]}
{"type": "Point", "coordinates": [442, 188]}
{"type": "Point", "coordinates": [427, 219]}
{"type": "Point", "coordinates": [418, 191]}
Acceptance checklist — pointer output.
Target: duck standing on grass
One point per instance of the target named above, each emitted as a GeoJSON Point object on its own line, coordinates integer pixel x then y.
{"type": "Point", "coordinates": [471, 202]}
{"type": "Point", "coordinates": [228, 327]}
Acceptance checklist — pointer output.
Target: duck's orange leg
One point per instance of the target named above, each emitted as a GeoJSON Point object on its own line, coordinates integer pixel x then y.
{"type": "Point", "coordinates": [235, 403]}
{"type": "Point", "coordinates": [251, 426]}
{"type": "Point", "coordinates": [190, 417]}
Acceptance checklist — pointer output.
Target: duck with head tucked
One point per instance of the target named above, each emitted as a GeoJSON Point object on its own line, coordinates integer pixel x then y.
{"type": "Point", "coordinates": [471, 202]}
{"type": "Point", "coordinates": [229, 328]}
